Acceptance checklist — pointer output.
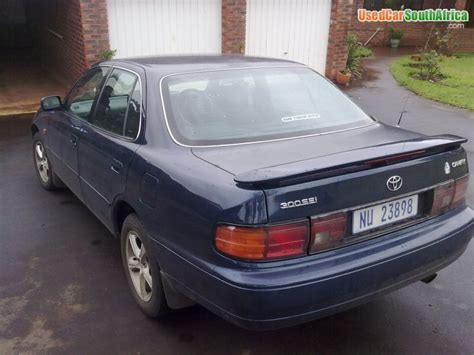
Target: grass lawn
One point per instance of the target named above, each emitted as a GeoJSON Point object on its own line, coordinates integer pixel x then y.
{"type": "Point", "coordinates": [457, 89]}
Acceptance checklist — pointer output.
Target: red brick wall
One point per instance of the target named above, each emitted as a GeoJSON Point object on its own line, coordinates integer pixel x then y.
{"type": "Point", "coordinates": [233, 26]}
{"type": "Point", "coordinates": [61, 52]}
{"type": "Point", "coordinates": [95, 29]}
{"type": "Point", "coordinates": [463, 39]}
{"type": "Point", "coordinates": [340, 25]}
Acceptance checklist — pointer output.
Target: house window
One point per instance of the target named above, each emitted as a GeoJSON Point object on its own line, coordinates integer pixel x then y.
{"type": "Point", "coordinates": [393, 4]}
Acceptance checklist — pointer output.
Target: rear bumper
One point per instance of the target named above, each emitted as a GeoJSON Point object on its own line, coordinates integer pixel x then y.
{"type": "Point", "coordinates": [323, 284]}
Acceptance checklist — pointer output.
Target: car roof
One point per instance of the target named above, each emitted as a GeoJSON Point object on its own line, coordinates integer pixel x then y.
{"type": "Point", "coordinates": [165, 65]}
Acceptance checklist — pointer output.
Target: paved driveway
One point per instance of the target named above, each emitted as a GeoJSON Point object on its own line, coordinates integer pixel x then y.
{"type": "Point", "coordinates": [62, 288]}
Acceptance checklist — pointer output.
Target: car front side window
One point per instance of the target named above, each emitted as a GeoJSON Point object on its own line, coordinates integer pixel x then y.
{"type": "Point", "coordinates": [83, 94]}
{"type": "Point", "coordinates": [118, 108]}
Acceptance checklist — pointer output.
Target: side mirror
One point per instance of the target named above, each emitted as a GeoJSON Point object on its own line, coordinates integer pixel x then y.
{"type": "Point", "coordinates": [49, 103]}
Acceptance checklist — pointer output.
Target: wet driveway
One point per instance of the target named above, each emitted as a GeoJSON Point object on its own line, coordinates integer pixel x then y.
{"type": "Point", "coordinates": [62, 289]}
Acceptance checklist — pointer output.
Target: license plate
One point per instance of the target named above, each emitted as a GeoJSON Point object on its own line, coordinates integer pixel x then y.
{"type": "Point", "coordinates": [385, 213]}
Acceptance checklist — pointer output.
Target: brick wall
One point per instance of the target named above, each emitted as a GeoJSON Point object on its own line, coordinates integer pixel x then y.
{"type": "Point", "coordinates": [340, 25]}
{"type": "Point", "coordinates": [95, 29]}
{"type": "Point", "coordinates": [463, 39]}
{"type": "Point", "coordinates": [233, 26]}
{"type": "Point", "coordinates": [57, 31]}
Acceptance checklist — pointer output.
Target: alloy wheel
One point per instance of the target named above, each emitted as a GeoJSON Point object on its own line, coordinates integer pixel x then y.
{"type": "Point", "coordinates": [139, 266]}
{"type": "Point", "coordinates": [42, 163]}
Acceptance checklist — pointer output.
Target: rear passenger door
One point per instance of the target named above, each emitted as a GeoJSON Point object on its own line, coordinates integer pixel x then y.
{"type": "Point", "coordinates": [107, 143]}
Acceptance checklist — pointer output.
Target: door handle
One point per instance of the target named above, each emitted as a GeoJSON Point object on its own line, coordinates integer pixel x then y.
{"type": "Point", "coordinates": [116, 166]}
{"type": "Point", "coordinates": [115, 169]}
{"type": "Point", "coordinates": [73, 140]}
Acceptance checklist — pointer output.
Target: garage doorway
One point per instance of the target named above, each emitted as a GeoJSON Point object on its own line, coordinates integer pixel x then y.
{"type": "Point", "coordinates": [290, 29]}
{"type": "Point", "coordinates": [157, 27]}
{"type": "Point", "coordinates": [26, 72]}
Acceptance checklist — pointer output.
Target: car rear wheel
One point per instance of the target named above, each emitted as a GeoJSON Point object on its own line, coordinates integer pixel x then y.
{"type": "Point", "coordinates": [142, 271]}
{"type": "Point", "coordinates": [44, 169]}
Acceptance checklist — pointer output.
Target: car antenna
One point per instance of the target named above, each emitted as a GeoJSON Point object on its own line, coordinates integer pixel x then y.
{"type": "Point", "coordinates": [402, 112]}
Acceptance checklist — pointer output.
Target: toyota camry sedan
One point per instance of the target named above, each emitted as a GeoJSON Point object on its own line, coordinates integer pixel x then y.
{"type": "Point", "coordinates": [252, 186]}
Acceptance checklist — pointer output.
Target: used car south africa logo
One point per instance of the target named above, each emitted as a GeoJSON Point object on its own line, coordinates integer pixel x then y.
{"type": "Point", "coordinates": [409, 15]}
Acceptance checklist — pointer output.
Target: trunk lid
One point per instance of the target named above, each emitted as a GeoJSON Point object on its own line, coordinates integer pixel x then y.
{"type": "Point", "coordinates": [340, 171]}
{"type": "Point", "coordinates": [244, 158]}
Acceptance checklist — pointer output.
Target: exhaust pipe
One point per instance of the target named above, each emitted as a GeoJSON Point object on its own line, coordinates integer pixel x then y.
{"type": "Point", "coordinates": [430, 278]}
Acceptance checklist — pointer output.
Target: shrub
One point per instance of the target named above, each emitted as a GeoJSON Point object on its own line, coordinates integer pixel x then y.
{"type": "Point", "coordinates": [442, 42]}
{"type": "Point", "coordinates": [428, 67]}
{"type": "Point", "coordinates": [395, 34]}
{"type": "Point", "coordinates": [108, 54]}
{"type": "Point", "coordinates": [356, 51]}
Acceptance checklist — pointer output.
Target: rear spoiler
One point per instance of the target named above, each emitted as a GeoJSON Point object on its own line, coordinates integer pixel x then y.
{"type": "Point", "coordinates": [348, 161]}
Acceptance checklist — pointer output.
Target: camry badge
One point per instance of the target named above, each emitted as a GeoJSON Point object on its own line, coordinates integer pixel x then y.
{"type": "Point", "coordinates": [447, 168]}
{"type": "Point", "coordinates": [394, 183]}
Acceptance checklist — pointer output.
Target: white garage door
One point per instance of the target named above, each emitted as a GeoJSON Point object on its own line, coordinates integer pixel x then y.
{"type": "Point", "coordinates": [154, 27]}
{"type": "Point", "coordinates": [292, 29]}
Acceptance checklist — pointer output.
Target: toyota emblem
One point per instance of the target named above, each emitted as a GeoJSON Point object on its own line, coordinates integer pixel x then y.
{"type": "Point", "coordinates": [394, 183]}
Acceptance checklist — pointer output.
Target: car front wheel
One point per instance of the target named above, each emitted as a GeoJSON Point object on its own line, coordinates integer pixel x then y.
{"type": "Point", "coordinates": [44, 169]}
{"type": "Point", "coordinates": [142, 271]}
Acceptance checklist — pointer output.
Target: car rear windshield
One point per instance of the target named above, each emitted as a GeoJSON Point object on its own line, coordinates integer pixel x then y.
{"type": "Point", "coordinates": [251, 105]}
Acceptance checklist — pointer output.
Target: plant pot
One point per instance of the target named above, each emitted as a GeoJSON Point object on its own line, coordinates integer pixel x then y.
{"type": "Point", "coordinates": [394, 43]}
{"type": "Point", "coordinates": [342, 78]}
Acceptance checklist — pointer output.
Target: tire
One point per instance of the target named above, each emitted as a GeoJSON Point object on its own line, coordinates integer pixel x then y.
{"type": "Point", "coordinates": [141, 269]}
{"type": "Point", "coordinates": [43, 167]}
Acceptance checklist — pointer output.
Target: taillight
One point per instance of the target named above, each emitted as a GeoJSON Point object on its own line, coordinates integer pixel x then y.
{"type": "Point", "coordinates": [449, 195]}
{"type": "Point", "coordinates": [442, 198]}
{"type": "Point", "coordinates": [263, 243]}
{"type": "Point", "coordinates": [328, 232]}
{"type": "Point", "coordinates": [460, 190]}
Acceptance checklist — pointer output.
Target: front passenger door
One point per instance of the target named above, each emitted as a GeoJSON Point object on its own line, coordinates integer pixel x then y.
{"type": "Point", "coordinates": [69, 123]}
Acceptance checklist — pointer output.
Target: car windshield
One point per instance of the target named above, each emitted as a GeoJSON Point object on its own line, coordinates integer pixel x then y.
{"type": "Point", "coordinates": [250, 105]}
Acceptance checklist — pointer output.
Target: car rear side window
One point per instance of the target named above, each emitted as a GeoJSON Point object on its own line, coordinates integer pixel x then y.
{"type": "Point", "coordinates": [83, 94]}
{"type": "Point", "coordinates": [118, 108]}
{"type": "Point", "coordinates": [250, 105]}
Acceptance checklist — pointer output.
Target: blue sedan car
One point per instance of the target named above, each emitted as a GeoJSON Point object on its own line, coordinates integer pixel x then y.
{"type": "Point", "coordinates": [252, 186]}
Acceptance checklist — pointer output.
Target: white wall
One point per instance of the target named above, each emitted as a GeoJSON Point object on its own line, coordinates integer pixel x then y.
{"type": "Point", "coordinates": [154, 27]}
{"type": "Point", "coordinates": [292, 29]}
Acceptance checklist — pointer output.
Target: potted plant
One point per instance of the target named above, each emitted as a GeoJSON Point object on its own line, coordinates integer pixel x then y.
{"type": "Point", "coordinates": [395, 37]}
{"type": "Point", "coordinates": [356, 51]}
{"type": "Point", "coordinates": [355, 54]}
{"type": "Point", "coordinates": [343, 76]}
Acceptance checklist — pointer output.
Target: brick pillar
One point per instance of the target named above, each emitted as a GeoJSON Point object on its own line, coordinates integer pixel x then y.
{"type": "Point", "coordinates": [233, 26]}
{"type": "Point", "coordinates": [340, 25]}
{"type": "Point", "coordinates": [95, 29]}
